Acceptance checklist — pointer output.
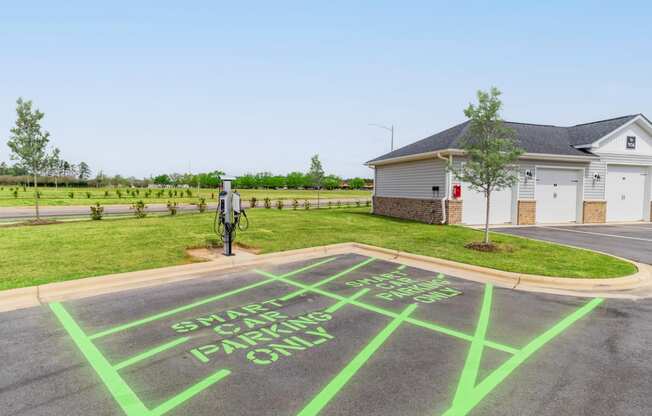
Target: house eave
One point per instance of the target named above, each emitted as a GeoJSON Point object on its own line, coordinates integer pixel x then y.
{"type": "Point", "coordinates": [458, 152]}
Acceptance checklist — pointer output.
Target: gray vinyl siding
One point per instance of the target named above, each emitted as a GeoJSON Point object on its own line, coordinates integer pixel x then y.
{"type": "Point", "coordinates": [411, 179]}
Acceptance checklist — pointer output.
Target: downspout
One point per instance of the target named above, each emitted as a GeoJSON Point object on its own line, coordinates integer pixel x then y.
{"type": "Point", "coordinates": [443, 200]}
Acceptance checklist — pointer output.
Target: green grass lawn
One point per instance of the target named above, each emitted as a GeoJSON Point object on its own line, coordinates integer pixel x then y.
{"type": "Point", "coordinates": [32, 255]}
{"type": "Point", "coordinates": [60, 196]}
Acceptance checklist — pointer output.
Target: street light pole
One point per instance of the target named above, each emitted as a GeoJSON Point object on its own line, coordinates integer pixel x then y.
{"type": "Point", "coordinates": [390, 129]}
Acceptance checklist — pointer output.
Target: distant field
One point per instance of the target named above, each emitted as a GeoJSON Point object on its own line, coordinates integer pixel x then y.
{"type": "Point", "coordinates": [61, 197]}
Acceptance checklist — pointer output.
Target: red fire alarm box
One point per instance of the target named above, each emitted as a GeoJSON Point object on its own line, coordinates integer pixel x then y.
{"type": "Point", "coordinates": [457, 191]}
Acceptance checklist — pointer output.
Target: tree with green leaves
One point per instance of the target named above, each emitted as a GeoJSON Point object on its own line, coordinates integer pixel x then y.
{"type": "Point", "coordinates": [316, 174]}
{"type": "Point", "coordinates": [84, 171]}
{"type": "Point", "coordinates": [29, 143]}
{"type": "Point", "coordinates": [491, 151]}
{"type": "Point", "coordinates": [54, 166]}
{"type": "Point", "coordinates": [356, 183]}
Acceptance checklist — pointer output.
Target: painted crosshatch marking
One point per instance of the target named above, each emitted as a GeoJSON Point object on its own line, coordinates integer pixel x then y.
{"type": "Point", "coordinates": [263, 335]}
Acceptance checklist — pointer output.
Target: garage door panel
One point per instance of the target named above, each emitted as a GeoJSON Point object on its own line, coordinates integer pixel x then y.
{"type": "Point", "coordinates": [556, 195]}
{"type": "Point", "coordinates": [625, 192]}
{"type": "Point", "coordinates": [474, 206]}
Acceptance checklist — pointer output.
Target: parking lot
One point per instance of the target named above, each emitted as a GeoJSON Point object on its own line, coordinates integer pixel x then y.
{"type": "Point", "coordinates": [630, 241]}
{"type": "Point", "coordinates": [335, 336]}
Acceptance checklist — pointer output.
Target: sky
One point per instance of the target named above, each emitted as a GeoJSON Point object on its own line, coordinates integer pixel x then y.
{"type": "Point", "coordinates": [148, 87]}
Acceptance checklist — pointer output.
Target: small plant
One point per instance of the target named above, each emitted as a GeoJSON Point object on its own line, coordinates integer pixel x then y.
{"type": "Point", "coordinates": [170, 193]}
{"type": "Point", "coordinates": [88, 195]}
{"type": "Point", "coordinates": [159, 194]}
{"type": "Point", "coordinates": [24, 188]}
{"type": "Point", "coordinates": [97, 211]}
{"type": "Point", "coordinates": [295, 204]}
{"type": "Point", "coordinates": [15, 193]}
{"type": "Point", "coordinates": [38, 194]}
{"type": "Point", "coordinates": [279, 204]}
{"type": "Point", "coordinates": [188, 193]}
{"type": "Point", "coordinates": [148, 193]}
{"type": "Point", "coordinates": [119, 193]}
{"type": "Point", "coordinates": [106, 194]}
{"type": "Point", "coordinates": [137, 192]}
{"type": "Point", "coordinates": [253, 202]}
{"type": "Point", "coordinates": [172, 207]}
{"type": "Point", "coordinates": [139, 208]}
{"type": "Point", "coordinates": [71, 195]}
{"type": "Point", "coordinates": [330, 204]}
{"type": "Point", "coordinates": [202, 205]}
{"type": "Point", "coordinates": [212, 195]}
{"type": "Point", "coordinates": [306, 204]}
{"type": "Point", "coordinates": [338, 203]}
{"type": "Point", "coordinates": [367, 203]}
{"type": "Point", "coordinates": [357, 203]}
{"type": "Point", "coordinates": [175, 192]}
{"type": "Point", "coordinates": [267, 202]}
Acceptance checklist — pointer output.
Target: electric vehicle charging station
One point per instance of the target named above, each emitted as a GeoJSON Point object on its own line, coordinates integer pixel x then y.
{"type": "Point", "coordinates": [229, 215]}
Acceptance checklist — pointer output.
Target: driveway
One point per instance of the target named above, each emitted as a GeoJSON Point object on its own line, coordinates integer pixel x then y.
{"type": "Point", "coordinates": [630, 241]}
{"type": "Point", "coordinates": [346, 335]}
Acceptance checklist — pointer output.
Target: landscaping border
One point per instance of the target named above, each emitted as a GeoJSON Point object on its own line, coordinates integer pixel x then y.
{"type": "Point", "coordinates": [635, 286]}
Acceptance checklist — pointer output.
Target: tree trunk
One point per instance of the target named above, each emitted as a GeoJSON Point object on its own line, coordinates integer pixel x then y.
{"type": "Point", "coordinates": [38, 215]}
{"type": "Point", "coordinates": [486, 222]}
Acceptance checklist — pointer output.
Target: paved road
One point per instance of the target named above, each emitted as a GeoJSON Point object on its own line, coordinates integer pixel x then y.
{"type": "Point", "coordinates": [349, 336]}
{"type": "Point", "coordinates": [631, 241]}
{"type": "Point", "coordinates": [17, 213]}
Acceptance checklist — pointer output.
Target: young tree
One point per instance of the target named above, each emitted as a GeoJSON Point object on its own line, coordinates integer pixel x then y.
{"type": "Point", "coordinates": [491, 150]}
{"type": "Point", "coordinates": [28, 143]}
{"type": "Point", "coordinates": [54, 166]}
{"type": "Point", "coordinates": [84, 171]}
{"type": "Point", "coordinates": [316, 174]}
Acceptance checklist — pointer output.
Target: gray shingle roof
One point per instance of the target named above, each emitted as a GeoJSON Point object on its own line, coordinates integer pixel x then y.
{"type": "Point", "coordinates": [534, 138]}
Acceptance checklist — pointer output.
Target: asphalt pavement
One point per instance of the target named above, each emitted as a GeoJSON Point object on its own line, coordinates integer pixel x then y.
{"type": "Point", "coordinates": [334, 336]}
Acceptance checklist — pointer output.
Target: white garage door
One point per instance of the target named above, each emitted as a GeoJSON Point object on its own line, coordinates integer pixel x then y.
{"type": "Point", "coordinates": [474, 205]}
{"type": "Point", "coordinates": [625, 193]}
{"type": "Point", "coordinates": [556, 195]}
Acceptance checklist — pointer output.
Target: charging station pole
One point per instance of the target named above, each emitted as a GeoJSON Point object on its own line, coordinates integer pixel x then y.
{"type": "Point", "coordinates": [228, 217]}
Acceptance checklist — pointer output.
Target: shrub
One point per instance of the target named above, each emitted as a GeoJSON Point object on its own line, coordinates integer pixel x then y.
{"type": "Point", "coordinates": [148, 193]}
{"type": "Point", "coordinates": [175, 193]}
{"type": "Point", "coordinates": [97, 211]}
{"type": "Point", "coordinates": [139, 209]}
{"type": "Point", "coordinates": [71, 195]}
{"type": "Point", "coordinates": [88, 195]}
{"type": "Point", "coordinates": [159, 194]}
{"type": "Point", "coordinates": [106, 194]}
{"type": "Point", "coordinates": [202, 205]}
{"type": "Point", "coordinates": [268, 202]}
{"type": "Point", "coordinates": [24, 188]}
{"type": "Point", "coordinates": [119, 193]}
{"type": "Point", "coordinates": [172, 207]}
{"type": "Point", "coordinates": [137, 191]}
{"type": "Point", "coordinates": [38, 194]}
{"type": "Point", "coordinates": [188, 193]}
{"type": "Point", "coordinates": [367, 203]}
{"type": "Point", "coordinates": [253, 202]}
{"type": "Point", "coordinates": [295, 204]}
{"type": "Point", "coordinates": [279, 204]}
{"type": "Point", "coordinates": [170, 193]}
{"type": "Point", "coordinates": [330, 204]}
{"type": "Point", "coordinates": [15, 193]}
{"type": "Point", "coordinates": [306, 204]}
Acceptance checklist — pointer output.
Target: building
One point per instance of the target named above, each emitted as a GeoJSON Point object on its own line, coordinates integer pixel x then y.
{"type": "Point", "coordinates": [589, 173]}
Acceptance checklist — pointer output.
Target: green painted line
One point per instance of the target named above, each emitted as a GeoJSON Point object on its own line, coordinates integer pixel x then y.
{"type": "Point", "coordinates": [417, 322]}
{"type": "Point", "coordinates": [462, 407]}
{"type": "Point", "coordinates": [189, 393]}
{"type": "Point", "coordinates": [121, 392]}
{"type": "Point", "coordinates": [474, 357]}
{"type": "Point", "coordinates": [189, 306]}
{"type": "Point", "coordinates": [341, 303]}
{"type": "Point", "coordinates": [149, 353]}
{"type": "Point", "coordinates": [328, 279]}
{"type": "Point", "coordinates": [337, 383]}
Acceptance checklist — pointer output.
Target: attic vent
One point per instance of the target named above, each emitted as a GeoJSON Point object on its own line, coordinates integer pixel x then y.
{"type": "Point", "coordinates": [631, 142]}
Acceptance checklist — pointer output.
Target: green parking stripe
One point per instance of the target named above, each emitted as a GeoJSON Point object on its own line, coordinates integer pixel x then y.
{"type": "Point", "coordinates": [328, 279]}
{"type": "Point", "coordinates": [189, 393]}
{"type": "Point", "coordinates": [200, 302]}
{"type": "Point", "coordinates": [122, 393]}
{"type": "Point", "coordinates": [149, 353]}
{"type": "Point", "coordinates": [474, 357]}
{"type": "Point", "coordinates": [462, 407]}
{"type": "Point", "coordinates": [336, 384]}
{"type": "Point", "coordinates": [417, 322]}
{"type": "Point", "coordinates": [343, 302]}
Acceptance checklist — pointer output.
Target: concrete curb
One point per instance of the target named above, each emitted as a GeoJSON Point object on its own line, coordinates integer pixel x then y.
{"type": "Point", "coordinates": [636, 286]}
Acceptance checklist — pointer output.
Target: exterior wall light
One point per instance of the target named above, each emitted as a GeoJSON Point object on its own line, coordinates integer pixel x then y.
{"type": "Point", "coordinates": [596, 177]}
